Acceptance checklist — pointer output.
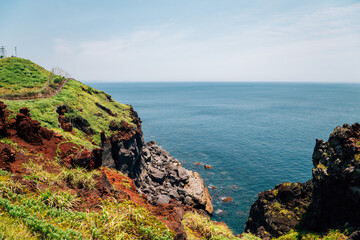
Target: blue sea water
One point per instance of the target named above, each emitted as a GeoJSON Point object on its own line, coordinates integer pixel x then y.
{"type": "Point", "coordinates": [255, 135]}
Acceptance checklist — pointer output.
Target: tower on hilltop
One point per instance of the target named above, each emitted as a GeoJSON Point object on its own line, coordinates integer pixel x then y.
{"type": "Point", "coordinates": [3, 52]}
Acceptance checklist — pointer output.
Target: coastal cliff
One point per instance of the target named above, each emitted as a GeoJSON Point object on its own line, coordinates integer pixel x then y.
{"type": "Point", "coordinates": [74, 165]}
{"type": "Point", "coordinates": [330, 200]}
{"type": "Point", "coordinates": [156, 173]}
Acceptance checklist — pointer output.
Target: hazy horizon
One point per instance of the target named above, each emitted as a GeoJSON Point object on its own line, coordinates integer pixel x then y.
{"type": "Point", "coordinates": [187, 41]}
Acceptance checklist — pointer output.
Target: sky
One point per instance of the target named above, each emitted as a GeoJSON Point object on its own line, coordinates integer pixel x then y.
{"type": "Point", "coordinates": [188, 40]}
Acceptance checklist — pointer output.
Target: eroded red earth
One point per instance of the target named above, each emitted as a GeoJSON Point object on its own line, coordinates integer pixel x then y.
{"type": "Point", "coordinates": [32, 142]}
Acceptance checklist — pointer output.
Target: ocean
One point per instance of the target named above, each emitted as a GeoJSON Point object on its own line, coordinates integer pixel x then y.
{"type": "Point", "coordinates": [254, 135]}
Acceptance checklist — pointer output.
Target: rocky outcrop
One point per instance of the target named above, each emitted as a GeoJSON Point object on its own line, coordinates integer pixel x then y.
{"type": "Point", "coordinates": [330, 200]}
{"type": "Point", "coordinates": [123, 149]}
{"type": "Point", "coordinates": [63, 120]}
{"type": "Point", "coordinates": [67, 123]}
{"type": "Point", "coordinates": [164, 178]}
{"type": "Point", "coordinates": [279, 210]}
{"type": "Point", "coordinates": [336, 177]}
{"type": "Point", "coordinates": [156, 173]}
{"type": "Point", "coordinates": [28, 129]}
{"type": "Point", "coordinates": [86, 159]}
{"type": "Point", "coordinates": [3, 120]}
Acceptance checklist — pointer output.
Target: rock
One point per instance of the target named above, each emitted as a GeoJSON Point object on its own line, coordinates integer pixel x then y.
{"type": "Point", "coordinates": [226, 199]}
{"type": "Point", "coordinates": [90, 160]}
{"type": "Point", "coordinates": [163, 199]}
{"type": "Point", "coordinates": [155, 172]}
{"type": "Point", "coordinates": [107, 110]}
{"type": "Point", "coordinates": [354, 236]}
{"type": "Point", "coordinates": [123, 150]}
{"type": "Point", "coordinates": [82, 124]}
{"type": "Point", "coordinates": [157, 175]}
{"type": "Point", "coordinates": [336, 177]}
{"type": "Point", "coordinates": [331, 199]}
{"type": "Point", "coordinates": [279, 210]}
{"type": "Point", "coordinates": [208, 166]}
{"type": "Point", "coordinates": [179, 184]}
{"type": "Point", "coordinates": [219, 212]}
{"type": "Point", "coordinates": [3, 120]}
{"type": "Point", "coordinates": [27, 128]}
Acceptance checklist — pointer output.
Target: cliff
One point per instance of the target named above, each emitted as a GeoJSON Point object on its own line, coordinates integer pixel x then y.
{"type": "Point", "coordinates": [75, 165]}
{"type": "Point", "coordinates": [330, 200]}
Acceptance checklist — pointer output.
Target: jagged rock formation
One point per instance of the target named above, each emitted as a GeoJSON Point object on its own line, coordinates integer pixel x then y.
{"type": "Point", "coordinates": [156, 173]}
{"type": "Point", "coordinates": [331, 198]}
{"type": "Point", "coordinates": [336, 177]}
{"type": "Point", "coordinates": [279, 210]}
{"type": "Point", "coordinates": [123, 149]}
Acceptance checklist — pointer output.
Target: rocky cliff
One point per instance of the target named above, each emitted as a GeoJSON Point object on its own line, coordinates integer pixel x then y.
{"type": "Point", "coordinates": [330, 200]}
{"type": "Point", "coordinates": [156, 173]}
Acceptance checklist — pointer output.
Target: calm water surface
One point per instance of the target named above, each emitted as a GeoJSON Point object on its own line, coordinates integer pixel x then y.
{"type": "Point", "coordinates": [255, 135]}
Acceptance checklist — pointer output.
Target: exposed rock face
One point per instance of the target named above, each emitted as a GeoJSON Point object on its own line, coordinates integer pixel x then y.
{"type": "Point", "coordinates": [29, 129]}
{"type": "Point", "coordinates": [163, 178]}
{"type": "Point", "coordinates": [336, 177]}
{"type": "Point", "coordinates": [90, 160]}
{"type": "Point", "coordinates": [122, 150]}
{"type": "Point", "coordinates": [3, 120]}
{"type": "Point", "coordinates": [77, 122]}
{"type": "Point", "coordinates": [63, 120]}
{"type": "Point", "coordinates": [331, 198]}
{"type": "Point", "coordinates": [279, 210]}
{"type": "Point", "coordinates": [156, 173]}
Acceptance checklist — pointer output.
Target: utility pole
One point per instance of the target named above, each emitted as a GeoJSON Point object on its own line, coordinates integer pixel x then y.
{"type": "Point", "coordinates": [15, 52]}
{"type": "Point", "coordinates": [3, 51]}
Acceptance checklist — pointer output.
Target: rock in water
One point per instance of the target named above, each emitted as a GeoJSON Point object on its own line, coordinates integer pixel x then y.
{"type": "Point", "coordinates": [330, 200]}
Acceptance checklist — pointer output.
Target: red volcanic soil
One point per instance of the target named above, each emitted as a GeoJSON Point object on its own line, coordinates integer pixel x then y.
{"type": "Point", "coordinates": [171, 214]}
{"type": "Point", "coordinates": [43, 146]}
{"type": "Point", "coordinates": [11, 160]}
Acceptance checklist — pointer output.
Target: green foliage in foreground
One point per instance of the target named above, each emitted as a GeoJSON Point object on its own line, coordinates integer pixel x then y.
{"type": "Point", "coordinates": [49, 214]}
{"type": "Point", "coordinates": [296, 235]}
{"type": "Point", "coordinates": [196, 223]}
{"type": "Point", "coordinates": [20, 75]}
{"type": "Point", "coordinates": [80, 101]}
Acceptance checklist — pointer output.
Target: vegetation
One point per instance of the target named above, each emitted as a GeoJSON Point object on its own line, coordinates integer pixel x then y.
{"type": "Point", "coordinates": [331, 235]}
{"type": "Point", "coordinates": [81, 102]}
{"type": "Point", "coordinates": [17, 74]}
{"type": "Point", "coordinates": [196, 223]}
{"type": "Point", "coordinates": [51, 214]}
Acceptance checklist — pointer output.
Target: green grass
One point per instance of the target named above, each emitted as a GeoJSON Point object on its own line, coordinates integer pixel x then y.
{"type": "Point", "coordinates": [296, 235]}
{"type": "Point", "coordinates": [19, 75]}
{"type": "Point", "coordinates": [197, 223]}
{"type": "Point", "coordinates": [49, 213]}
{"type": "Point", "coordinates": [14, 229]}
{"type": "Point", "coordinates": [75, 177]}
{"type": "Point", "coordinates": [80, 102]}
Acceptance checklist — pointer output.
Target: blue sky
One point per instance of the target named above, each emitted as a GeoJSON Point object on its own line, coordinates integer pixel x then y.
{"type": "Point", "coordinates": [227, 40]}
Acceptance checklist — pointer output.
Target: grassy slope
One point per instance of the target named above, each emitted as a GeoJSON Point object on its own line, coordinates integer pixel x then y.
{"type": "Point", "coordinates": [80, 101]}
{"type": "Point", "coordinates": [49, 214]}
{"type": "Point", "coordinates": [21, 75]}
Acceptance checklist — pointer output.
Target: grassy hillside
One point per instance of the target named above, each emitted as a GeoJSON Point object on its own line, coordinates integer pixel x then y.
{"type": "Point", "coordinates": [41, 198]}
{"type": "Point", "coordinates": [20, 75]}
{"type": "Point", "coordinates": [81, 101]}
{"type": "Point", "coordinates": [50, 201]}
